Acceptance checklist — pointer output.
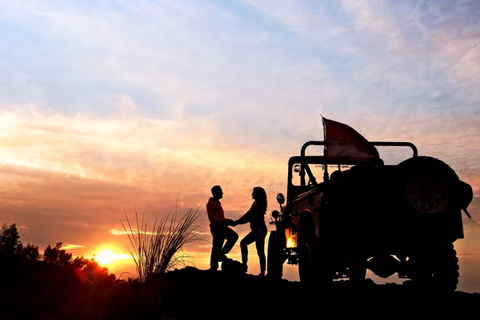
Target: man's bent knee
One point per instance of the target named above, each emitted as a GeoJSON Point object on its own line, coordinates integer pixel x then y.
{"type": "Point", "coordinates": [244, 243]}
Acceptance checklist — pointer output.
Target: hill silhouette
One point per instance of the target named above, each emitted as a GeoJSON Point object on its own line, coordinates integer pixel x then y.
{"type": "Point", "coordinates": [33, 289]}
{"type": "Point", "coordinates": [190, 293]}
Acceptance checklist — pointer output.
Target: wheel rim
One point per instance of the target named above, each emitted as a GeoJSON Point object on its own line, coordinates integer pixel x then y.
{"type": "Point", "coordinates": [427, 193]}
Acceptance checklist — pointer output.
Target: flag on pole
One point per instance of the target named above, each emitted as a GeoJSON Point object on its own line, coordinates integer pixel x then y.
{"type": "Point", "coordinates": [344, 144]}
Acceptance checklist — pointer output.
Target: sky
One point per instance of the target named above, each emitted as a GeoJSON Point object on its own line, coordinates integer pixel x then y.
{"type": "Point", "coordinates": [111, 107]}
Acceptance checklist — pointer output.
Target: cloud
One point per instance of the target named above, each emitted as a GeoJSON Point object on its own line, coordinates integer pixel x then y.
{"type": "Point", "coordinates": [70, 247]}
{"type": "Point", "coordinates": [125, 150]}
{"type": "Point", "coordinates": [71, 179]}
{"type": "Point", "coordinates": [106, 108]}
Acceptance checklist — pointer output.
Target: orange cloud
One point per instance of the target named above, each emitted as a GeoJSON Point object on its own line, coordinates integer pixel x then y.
{"type": "Point", "coordinates": [71, 179]}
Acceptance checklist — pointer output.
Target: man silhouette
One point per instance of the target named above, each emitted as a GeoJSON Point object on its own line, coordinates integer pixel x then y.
{"type": "Point", "coordinates": [219, 229]}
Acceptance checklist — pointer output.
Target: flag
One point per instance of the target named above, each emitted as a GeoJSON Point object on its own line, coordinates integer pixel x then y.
{"type": "Point", "coordinates": [344, 144]}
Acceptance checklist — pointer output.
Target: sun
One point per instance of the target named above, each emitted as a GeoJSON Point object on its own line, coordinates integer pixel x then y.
{"type": "Point", "coordinates": [105, 257]}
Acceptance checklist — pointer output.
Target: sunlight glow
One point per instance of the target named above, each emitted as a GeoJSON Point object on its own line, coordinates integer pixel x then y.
{"type": "Point", "coordinates": [105, 257]}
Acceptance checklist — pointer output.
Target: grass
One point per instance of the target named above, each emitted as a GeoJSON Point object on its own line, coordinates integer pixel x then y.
{"type": "Point", "coordinates": [160, 249]}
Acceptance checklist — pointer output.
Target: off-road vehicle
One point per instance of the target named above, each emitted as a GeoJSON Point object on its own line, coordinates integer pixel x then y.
{"type": "Point", "coordinates": [363, 214]}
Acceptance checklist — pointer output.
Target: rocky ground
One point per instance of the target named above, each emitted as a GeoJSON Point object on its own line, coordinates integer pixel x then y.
{"type": "Point", "coordinates": [193, 294]}
{"type": "Point", "coordinates": [37, 290]}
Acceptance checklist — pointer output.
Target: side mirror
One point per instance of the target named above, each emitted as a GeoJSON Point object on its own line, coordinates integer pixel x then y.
{"type": "Point", "coordinates": [275, 214]}
{"type": "Point", "coordinates": [280, 198]}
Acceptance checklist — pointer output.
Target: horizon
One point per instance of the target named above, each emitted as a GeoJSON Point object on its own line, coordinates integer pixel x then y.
{"type": "Point", "coordinates": [107, 108]}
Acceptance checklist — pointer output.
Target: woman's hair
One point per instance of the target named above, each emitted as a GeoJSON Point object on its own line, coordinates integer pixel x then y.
{"type": "Point", "coordinates": [261, 197]}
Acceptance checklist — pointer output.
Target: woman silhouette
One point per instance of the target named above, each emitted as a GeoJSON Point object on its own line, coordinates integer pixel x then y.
{"type": "Point", "coordinates": [257, 226]}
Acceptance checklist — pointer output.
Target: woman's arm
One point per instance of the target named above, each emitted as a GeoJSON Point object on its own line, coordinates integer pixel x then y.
{"type": "Point", "coordinates": [247, 217]}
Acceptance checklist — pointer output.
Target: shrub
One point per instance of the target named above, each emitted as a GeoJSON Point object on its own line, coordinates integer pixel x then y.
{"type": "Point", "coordinates": [161, 249]}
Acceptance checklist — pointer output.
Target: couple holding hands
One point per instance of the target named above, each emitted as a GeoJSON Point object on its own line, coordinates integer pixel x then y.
{"type": "Point", "coordinates": [221, 231]}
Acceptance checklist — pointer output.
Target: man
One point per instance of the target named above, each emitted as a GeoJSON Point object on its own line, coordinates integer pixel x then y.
{"type": "Point", "coordinates": [219, 229]}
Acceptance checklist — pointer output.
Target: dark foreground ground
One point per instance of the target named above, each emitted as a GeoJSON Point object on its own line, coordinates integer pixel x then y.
{"type": "Point", "coordinates": [194, 293]}
{"type": "Point", "coordinates": [189, 293]}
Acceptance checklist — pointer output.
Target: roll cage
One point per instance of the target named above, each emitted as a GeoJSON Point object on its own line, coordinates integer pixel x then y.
{"type": "Point", "coordinates": [307, 161]}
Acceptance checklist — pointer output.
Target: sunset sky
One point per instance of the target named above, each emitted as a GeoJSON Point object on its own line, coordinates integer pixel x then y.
{"type": "Point", "coordinates": [107, 107]}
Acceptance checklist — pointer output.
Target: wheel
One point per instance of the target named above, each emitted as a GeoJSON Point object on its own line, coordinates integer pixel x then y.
{"type": "Point", "coordinates": [436, 267]}
{"type": "Point", "coordinates": [358, 270]}
{"type": "Point", "coordinates": [306, 247]}
{"type": "Point", "coordinates": [446, 270]}
{"type": "Point", "coordinates": [428, 185]}
{"type": "Point", "coordinates": [275, 256]}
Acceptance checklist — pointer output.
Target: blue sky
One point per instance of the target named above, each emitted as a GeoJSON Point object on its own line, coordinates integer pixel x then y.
{"type": "Point", "coordinates": [149, 103]}
{"type": "Point", "coordinates": [228, 60]}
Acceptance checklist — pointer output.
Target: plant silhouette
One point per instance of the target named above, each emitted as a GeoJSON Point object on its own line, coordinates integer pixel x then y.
{"type": "Point", "coordinates": [160, 249]}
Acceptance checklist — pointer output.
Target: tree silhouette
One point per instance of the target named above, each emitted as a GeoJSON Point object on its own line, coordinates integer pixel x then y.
{"type": "Point", "coordinates": [10, 243]}
{"type": "Point", "coordinates": [9, 239]}
{"type": "Point", "coordinates": [97, 274]}
{"type": "Point", "coordinates": [56, 255]}
{"type": "Point", "coordinates": [79, 262]}
{"type": "Point", "coordinates": [30, 251]}
{"type": "Point", "coordinates": [89, 270]}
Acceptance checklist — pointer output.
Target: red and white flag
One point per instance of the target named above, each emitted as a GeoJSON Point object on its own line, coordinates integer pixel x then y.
{"type": "Point", "coordinates": [344, 144]}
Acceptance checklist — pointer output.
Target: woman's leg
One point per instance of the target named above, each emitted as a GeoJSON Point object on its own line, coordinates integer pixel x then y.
{"type": "Point", "coordinates": [260, 244]}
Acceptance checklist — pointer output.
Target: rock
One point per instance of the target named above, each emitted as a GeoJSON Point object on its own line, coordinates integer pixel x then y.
{"type": "Point", "coordinates": [233, 267]}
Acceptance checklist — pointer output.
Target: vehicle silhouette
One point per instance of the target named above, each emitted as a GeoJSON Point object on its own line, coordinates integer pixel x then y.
{"type": "Point", "coordinates": [400, 218]}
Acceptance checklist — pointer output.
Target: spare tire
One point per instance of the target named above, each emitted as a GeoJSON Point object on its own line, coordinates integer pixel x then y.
{"type": "Point", "coordinates": [428, 184]}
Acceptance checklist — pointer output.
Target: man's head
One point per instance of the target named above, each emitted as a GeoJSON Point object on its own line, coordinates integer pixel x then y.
{"type": "Point", "coordinates": [217, 192]}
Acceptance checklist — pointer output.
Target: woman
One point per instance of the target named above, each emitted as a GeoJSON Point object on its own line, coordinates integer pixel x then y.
{"type": "Point", "coordinates": [257, 226]}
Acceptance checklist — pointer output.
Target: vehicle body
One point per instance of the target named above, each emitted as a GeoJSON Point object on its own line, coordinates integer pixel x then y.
{"type": "Point", "coordinates": [388, 218]}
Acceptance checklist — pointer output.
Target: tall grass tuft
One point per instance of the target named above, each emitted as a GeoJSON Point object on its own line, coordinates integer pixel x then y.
{"type": "Point", "coordinates": [160, 250]}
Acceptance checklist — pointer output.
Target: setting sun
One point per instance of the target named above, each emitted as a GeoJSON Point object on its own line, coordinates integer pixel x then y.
{"type": "Point", "coordinates": [105, 257]}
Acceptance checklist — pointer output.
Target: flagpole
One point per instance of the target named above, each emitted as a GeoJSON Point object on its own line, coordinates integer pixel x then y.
{"type": "Point", "coordinates": [325, 167]}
